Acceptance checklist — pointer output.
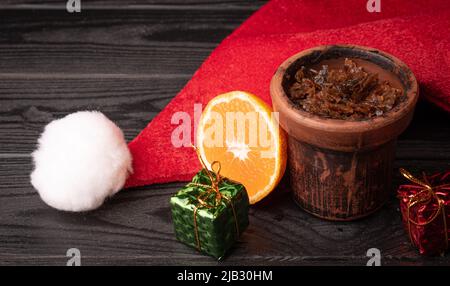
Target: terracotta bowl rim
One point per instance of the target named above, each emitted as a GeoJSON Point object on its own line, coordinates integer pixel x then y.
{"type": "Point", "coordinates": [341, 125]}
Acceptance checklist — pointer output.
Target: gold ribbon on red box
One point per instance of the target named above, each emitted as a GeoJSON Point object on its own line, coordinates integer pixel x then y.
{"type": "Point", "coordinates": [425, 207]}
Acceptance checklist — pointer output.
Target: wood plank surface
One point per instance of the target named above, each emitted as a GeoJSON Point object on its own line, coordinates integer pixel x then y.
{"type": "Point", "coordinates": [160, 41]}
{"type": "Point", "coordinates": [136, 4]}
{"type": "Point", "coordinates": [128, 60]}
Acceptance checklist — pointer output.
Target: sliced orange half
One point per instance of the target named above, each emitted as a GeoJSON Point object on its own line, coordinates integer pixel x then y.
{"type": "Point", "coordinates": [241, 132]}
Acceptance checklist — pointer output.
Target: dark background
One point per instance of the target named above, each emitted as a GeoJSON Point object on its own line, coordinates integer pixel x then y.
{"type": "Point", "coordinates": [128, 59]}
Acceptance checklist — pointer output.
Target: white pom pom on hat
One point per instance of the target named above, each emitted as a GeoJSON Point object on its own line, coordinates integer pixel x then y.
{"type": "Point", "coordinates": [81, 160]}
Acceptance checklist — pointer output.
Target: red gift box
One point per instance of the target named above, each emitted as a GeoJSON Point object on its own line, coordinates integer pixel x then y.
{"type": "Point", "coordinates": [425, 207]}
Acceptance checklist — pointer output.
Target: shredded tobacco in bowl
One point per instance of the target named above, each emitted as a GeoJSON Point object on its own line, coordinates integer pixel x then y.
{"type": "Point", "coordinates": [348, 93]}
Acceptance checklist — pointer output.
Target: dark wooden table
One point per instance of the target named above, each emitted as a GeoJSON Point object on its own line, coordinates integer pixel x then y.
{"type": "Point", "coordinates": [128, 60]}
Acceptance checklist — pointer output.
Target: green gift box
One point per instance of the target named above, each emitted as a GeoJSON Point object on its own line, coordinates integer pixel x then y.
{"type": "Point", "coordinates": [210, 213]}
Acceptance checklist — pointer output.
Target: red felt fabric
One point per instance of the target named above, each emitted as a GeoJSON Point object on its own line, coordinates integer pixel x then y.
{"type": "Point", "coordinates": [417, 32]}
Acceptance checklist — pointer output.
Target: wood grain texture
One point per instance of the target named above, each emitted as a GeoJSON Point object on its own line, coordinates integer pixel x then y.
{"type": "Point", "coordinates": [26, 105]}
{"type": "Point", "coordinates": [129, 62]}
{"type": "Point", "coordinates": [136, 4]}
{"type": "Point", "coordinates": [159, 41]}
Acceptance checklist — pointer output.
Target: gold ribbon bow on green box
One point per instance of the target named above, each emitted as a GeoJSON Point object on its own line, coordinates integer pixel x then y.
{"type": "Point", "coordinates": [210, 212]}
